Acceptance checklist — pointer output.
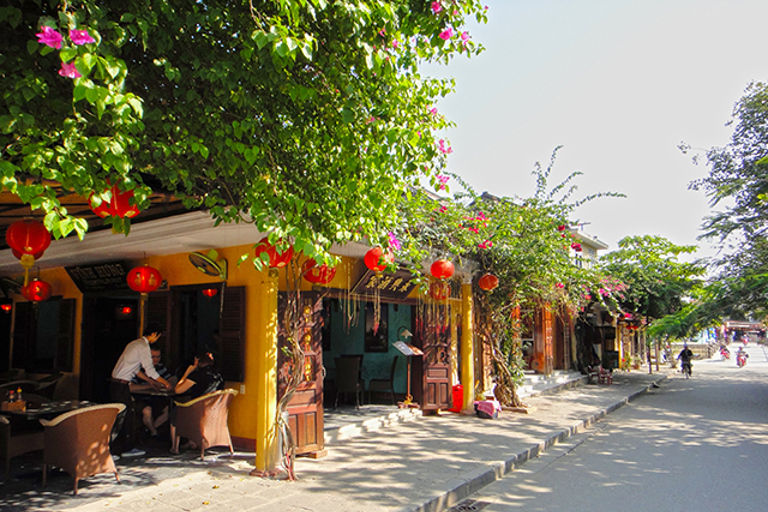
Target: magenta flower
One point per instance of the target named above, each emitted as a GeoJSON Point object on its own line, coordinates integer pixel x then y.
{"type": "Point", "coordinates": [50, 37]}
{"type": "Point", "coordinates": [436, 7]}
{"type": "Point", "coordinates": [394, 243]}
{"type": "Point", "coordinates": [560, 285]}
{"type": "Point", "coordinates": [443, 149]}
{"type": "Point", "coordinates": [446, 34]}
{"type": "Point", "coordinates": [69, 70]}
{"type": "Point", "coordinates": [485, 245]}
{"type": "Point", "coordinates": [433, 111]}
{"type": "Point", "coordinates": [465, 38]}
{"type": "Point", "coordinates": [576, 246]}
{"type": "Point", "coordinates": [442, 209]}
{"type": "Point", "coordinates": [81, 37]}
{"type": "Point", "coordinates": [443, 179]}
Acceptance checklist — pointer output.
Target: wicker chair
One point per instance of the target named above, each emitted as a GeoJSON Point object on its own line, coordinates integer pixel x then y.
{"type": "Point", "coordinates": [204, 420]}
{"type": "Point", "coordinates": [78, 441]}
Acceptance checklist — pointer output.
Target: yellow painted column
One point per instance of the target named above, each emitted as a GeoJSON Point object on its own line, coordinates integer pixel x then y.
{"type": "Point", "coordinates": [266, 377]}
{"type": "Point", "coordinates": [467, 349]}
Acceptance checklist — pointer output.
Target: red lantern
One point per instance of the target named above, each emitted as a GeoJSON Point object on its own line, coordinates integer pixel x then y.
{"type": "Point", "coordinates": [118, 206]}
{"type": "Point", "coordinates": [36, 291]}
{"type": "Point", "coordinates": [275, 260]}
{"type": "Point", "coordinates": [439, 290]}
{"type": "Point", "coordinates": [377, 260]}
{"type": "Point", "coordinates": [28, 239]}
{"type": "Point", "coordinates": [322, 274]}
{"type": "Point", "coordinates": [209, 292]}
{"type": "Point", "coordinates": [442, 269]}
{"type": "Point", "coordinates": [144, 279]}
{"type": "Point", "coordinates": [6, 307]}
{"type": "Point", "coordinates": [488, 282]}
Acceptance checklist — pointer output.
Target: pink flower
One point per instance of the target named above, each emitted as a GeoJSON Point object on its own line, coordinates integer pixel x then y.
{"type": "Point", "coordinates": [442, 209]}
{"type": "Point", "coordinates": [433, 111]}
{"type": "Point", "coordinates": [576, 246]}
{"type": "Point", "coordinates": [485, 245]}
{"type": "Point", "coordinates": [436, 7]}
{"type": "Point", "coordinates": [394, 243]}
{"type": "Point", "coordinates": [560, 285]}
{"type": "Point", "coordinates": [395, 44]}
{"type": "Point", "coordinates": [443, 149]}
{"type": "Point", "coordinates": [465, 38]}
{"type": "Point", "coordinates": [69, 70]}
{"type": "Point", "coordinates": [446, 34]}
{"type": "Point", "coordinates": [443, 180]}
{"type": "Point", "coordinates": [49, 37]}
{"type": "Point", "coordinates": [80, 37]}
{"type": "Point", "coordinates": [383, 32]}
{"type": "Point", "coordinates": [561, 227]}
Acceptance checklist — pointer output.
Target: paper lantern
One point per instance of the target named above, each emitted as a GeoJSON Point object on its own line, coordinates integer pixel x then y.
{"type": "Point", "coordinates": [144, 279]}
{"type": "Point", "coordinates": [6, 307]}
{"type": "Point", "coordinates": [28, 239]}
{"type": "Point", "coordinates": [442, 269]}
{"type": "Point", "coordinates": [378, 260]}
{"type": "Point", "coordinates": [209, 292]}
{"type": "Point", "coordinates": [276, 260]}
{"type": "Point", "coordinates": [439, 290]}
{"type": "Point", "coordinates": [118, 206]}
{"type": "Point", "coordinates": [36, 291]}
{"type": "Point", "coordinates": [318, 274]}
{"type": "Point", "coordinates": [488, 282]}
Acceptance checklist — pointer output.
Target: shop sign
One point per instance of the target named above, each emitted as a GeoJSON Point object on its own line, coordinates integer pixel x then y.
{"type": "Point", "coordinates": [395, 285]}
{"type": "Point", "coordinates": [101, 277]}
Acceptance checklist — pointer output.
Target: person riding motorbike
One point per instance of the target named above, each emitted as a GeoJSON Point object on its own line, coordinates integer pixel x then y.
{"type": "Point", "coordinates": [724, 352]}
{"type": "Point", "coordinates": [685, 357]}
{"type": "Point", "coordinates": [741, 357]}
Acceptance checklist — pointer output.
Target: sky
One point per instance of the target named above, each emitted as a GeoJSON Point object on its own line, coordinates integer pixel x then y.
{"type": "Point", "coordinates": [619, 84]}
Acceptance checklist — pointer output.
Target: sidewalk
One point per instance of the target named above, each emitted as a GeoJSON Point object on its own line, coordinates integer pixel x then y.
{"type": "Point", "coordinates": [427, 464]}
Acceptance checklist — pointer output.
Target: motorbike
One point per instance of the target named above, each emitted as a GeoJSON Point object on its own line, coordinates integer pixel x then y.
{"type": "Point", "coordinates": [741, 359]}
{"type": "Point", "coordinates": [725, 353]}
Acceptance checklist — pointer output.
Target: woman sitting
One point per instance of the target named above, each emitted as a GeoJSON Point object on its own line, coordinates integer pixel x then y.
{"type": "Point", "coordinates": [200, 378]}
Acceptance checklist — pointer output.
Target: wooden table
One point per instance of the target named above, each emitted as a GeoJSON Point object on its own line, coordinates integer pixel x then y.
{"type": "Point", "coordinates": [48, 410]}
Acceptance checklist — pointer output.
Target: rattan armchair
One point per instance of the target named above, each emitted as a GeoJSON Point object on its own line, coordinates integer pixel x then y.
{"type": "Point", "coordinates": [78, 441]}
{"type": "Point", "coordinates": [204, 420]}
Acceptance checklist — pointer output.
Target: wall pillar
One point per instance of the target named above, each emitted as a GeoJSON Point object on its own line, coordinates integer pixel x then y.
{"type": "Point", "coordinates": [266, 377]}
{"type": "Point", "coordinates": [467, 349]}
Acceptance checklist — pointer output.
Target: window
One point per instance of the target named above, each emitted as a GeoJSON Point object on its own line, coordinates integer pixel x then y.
{"type": "Point", "coordinates": [376, 339]}
{"type": "Point", "coordinates": [43, 339]}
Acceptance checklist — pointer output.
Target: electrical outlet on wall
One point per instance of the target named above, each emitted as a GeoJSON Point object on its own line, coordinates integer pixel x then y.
{"type": "Point", "coordinates": [242, 389]}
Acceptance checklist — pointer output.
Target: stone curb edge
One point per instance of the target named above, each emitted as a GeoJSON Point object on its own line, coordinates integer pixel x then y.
{"type": "Point", "coordinates": [498, 470]}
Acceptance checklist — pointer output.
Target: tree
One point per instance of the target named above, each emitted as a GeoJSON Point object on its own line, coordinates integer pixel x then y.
{"type": "Point", "coordinates": [659, 287]}
{"type": "Point", "coordinates": [738, 184]}
{"type": "Point", "coordinates": [306, 117]}
{"type": "Point", "coordinates": [524, 241]}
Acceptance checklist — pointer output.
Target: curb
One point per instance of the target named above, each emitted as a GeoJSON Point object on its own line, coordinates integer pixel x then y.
{"type": "Point", "coordinates": [498, 470]}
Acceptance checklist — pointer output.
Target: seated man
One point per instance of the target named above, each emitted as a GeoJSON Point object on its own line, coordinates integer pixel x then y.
{"type": "Point", "coordinates": [154, 410]}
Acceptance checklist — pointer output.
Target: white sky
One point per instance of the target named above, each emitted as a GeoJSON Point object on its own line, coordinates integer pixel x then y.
{"type": "Point", "coordinates": [619, 84]}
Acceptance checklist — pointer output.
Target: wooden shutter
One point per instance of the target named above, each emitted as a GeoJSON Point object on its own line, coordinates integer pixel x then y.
{"type": "Point", "coordinates": [65, 336]}
{"type": "Point", "coordinates": [232, 332]}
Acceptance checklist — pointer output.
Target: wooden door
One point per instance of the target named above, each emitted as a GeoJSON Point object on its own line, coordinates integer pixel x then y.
{"type": "Point", "coordinates": [305, 409]}
{"type": "Point", "coordinates": [433, 371]}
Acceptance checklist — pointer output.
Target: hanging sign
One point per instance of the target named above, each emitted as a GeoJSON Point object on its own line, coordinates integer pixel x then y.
{"type": "Point", "coordinates": [100, 277]}
{"type": "Point", "coordinates": [395, 285]}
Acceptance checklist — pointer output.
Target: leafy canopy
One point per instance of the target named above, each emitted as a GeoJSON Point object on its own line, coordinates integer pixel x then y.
{"type": "Point", "coordinates": [308, 118]}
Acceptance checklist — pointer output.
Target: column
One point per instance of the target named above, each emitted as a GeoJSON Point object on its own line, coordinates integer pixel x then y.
{"type": "Point", "coordinates": [467, 349]}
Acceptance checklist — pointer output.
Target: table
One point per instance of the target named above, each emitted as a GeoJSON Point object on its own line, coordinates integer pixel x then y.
{"type": "Point", "coordinates": [48, 410]}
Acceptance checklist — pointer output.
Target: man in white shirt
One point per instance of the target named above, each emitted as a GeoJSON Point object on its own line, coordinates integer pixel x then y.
{"type": "Point", "coordinates": [135, 357]}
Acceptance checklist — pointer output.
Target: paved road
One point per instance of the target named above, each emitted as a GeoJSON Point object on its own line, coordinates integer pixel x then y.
{"type": "Point", "coordinates": [699, 444]}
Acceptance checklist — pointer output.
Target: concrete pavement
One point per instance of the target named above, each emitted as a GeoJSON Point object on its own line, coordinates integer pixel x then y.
{"type": "Point", "coordinates": [428, 464]}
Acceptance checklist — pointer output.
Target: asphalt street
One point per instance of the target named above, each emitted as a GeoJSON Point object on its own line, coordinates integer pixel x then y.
{"type": "Point", "coordinates": [691, 444]}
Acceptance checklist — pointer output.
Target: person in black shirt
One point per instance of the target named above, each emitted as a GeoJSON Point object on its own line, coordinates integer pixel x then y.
{"type": "Point", "coordinates": [200, 378]}
{"type": "Point", "coordinates": [154, 410]}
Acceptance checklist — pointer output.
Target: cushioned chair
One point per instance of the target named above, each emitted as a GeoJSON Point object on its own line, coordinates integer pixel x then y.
{"type": "Point", "coordinates": [384, 385]}
{"type": "Point", "coordinates": [349, 377]}
{"type": "Point", "coordinates": [204, 420]}
{"type": "Point", "coordinates": [78, 441]}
